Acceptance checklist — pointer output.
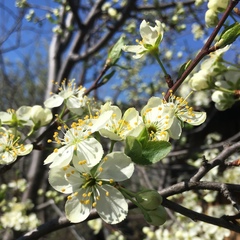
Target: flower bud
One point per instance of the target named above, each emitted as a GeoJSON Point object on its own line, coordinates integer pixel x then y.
{"type": "Point", "coordinates": [40, 116]}
{"type": "Point", "coordinates": [156, 217]}
{"type": "Point", "coordinates": [229, 35]}
{"type": "Point", "coordinates": [200, 80]}
{"type": "Point", "coordinates": [211, 18]}
{"type": "Point", "coordinates": [149, 199]}
{"type": "Point", "coordinates": [218, 5]}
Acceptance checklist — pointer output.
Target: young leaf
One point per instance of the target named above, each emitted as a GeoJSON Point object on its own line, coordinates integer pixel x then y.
{"type": "Point", "coordinates": [143, 136]}
{"type": "Point", "coordinates": [155, 151]}
{"type": "Point", "coordinates": [107, 77]}
{"type": "Point", "coordinates": [183, 68]}
{"type": "Point", "coordinates": [133, 148]}
{"type": "Point", "coordinates": [115, 52]}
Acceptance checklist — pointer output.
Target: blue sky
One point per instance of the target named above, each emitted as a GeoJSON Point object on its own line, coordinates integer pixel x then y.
{"type": "Point", "coordinates": [35, 37]}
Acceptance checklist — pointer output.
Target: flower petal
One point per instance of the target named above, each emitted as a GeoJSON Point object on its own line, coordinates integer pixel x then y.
{"type": "Point", "coordinates": [117, 166]}
{"type": "Point", "coordinates": [54, 101]}
{"type": "Point", "coordinates": [139, 50]}
{"type": "Point", "coordinates": [152, 102]}
{"type": "Point", "coordinates": [101, 121]}
{"type": "Point", "coordinates": [60, 158]}
{"type": "Point", "coordinates": [175, 130]}
{"type": "Point", "coordinates": [58, 181]}
{"type": "Point", "coordinates": [7, 157]}
{"type": "Point", "coordinates": [26, 149]}
{"type": "Point", "coordinates": [73, 102]}
{"type": "Point", "coordinates": [91, 150]}
{"type": "Point", "coordinates": [109, 134]}
{"type": "Point", "coordinates": [151, 35]}
{"type": "Point", "coordinates": [5, 117]}
{"type": "Point", "coordinates": [112, 206]}
{"type": "Point", "coordinates": [75, 210]}
{"type": "Point", "coordinates": [195, 118]}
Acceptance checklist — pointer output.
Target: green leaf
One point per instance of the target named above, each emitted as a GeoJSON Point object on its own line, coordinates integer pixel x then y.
{"type": "Point", "coordinates": [183, 68]}
{"type": "Point", "coordinates": [133, 148]}
{"type": "Point", "coordinates": [107, 77]}
{"type": "Point", "coordinates": [115, 52]}
{"type": "Point", "coordinates": [155, 151]}
{"type": "Point", "coordinates": [151, 152]}
{"type": "Point", "coordinates": [143, 136]}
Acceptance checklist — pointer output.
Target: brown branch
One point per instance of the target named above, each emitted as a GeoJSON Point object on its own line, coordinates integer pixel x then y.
{"type": "Point", "coordinates": [219, 160]}
{"type": "Point", "coordinates": [202, 185]}
{"type": "Point", "coordinates": [163, 6]}
{"type": "Point", "coordinates": [195, 216]}
{"type": "Point", "coordinates": [181, 187]}
{"type": "Point", "coordinates": [68, 64]}
{"type": "Point", "coordinates": [74, 8]}
{"type": "Point", "coordinates": [53, 225]}
{"type": "Point", "coordinates": [97, 82]}
{"type": "Point", "coordinates": [98, 45]}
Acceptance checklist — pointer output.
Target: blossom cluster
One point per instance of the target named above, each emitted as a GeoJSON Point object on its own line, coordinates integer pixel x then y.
{"type": "Point", "coordinates": [12, 137]}
{"type": "Point", "coordinates": [15, 216]}
{"type": "Point", "coordinates": [214, 8]}
{"type": "Point", "coordinates": [79, 166]}
{"type": "Point", "coordinates": [222, 79]}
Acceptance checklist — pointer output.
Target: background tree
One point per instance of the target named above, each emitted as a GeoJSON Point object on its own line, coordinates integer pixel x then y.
{"type": "Point", "coordinates": [79, 36]}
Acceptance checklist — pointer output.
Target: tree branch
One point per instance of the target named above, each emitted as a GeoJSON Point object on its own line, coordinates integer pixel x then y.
{"type": "Point", "coordinates": [219, 160]}
{"type": "Point", "coordinates": [204, 51]}
{"type": "Point", "coordinates": [195, 216]}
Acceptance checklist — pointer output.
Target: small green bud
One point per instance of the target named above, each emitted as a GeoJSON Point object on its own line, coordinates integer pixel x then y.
{"type": "Point", "coordinates": [149, 199]}
{"type": "Point", "coordinates": [229, 35]}
{"type": "Point", "coordinates": [156, 217]}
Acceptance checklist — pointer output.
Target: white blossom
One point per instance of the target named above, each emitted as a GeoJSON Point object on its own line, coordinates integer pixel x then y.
{"type": "Point", "coordinates": [94, 187]}
{"type": "Point", "coordinates": [151, 38]}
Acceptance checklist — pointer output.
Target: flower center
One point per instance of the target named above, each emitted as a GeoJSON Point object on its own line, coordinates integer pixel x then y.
{"type": "Point", "coordinates": [90, 181]}
{"type": "Point", "coordinates": [152, 130]}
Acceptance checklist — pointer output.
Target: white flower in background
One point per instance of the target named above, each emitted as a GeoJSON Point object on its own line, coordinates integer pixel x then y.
{"type": "Point", "coordinates": [199, 2]}
{"type": "Point", "coordinates": [168, 54]}
{"type": "Point", "coordinates": [40, 116]}
{"type": "Point", "coordinates": [218, 5]}
{"type": "Point", "coordinates": [211, 18]}
{"type": "Point", "coordinates": [197, 31]}
{"type": "Point", "coordinates": [71, 94]}
{"type": "Point", "coordinates": [96, 225]}
{"type": "Point", "coordinates": [94, 187]}
{"type": "Point", "coordinates": [183, 113]}
{"type": "Point", "coordinates": [151, 38]}
{"type": "Point", "coordinates": [214, 8]}
{"type": "Point", "coordinates": [15, 216]}
{"type": "Point", "coordinates": [16, 118]}
{"type": "Point", "coordinates": [225, 86]}
{"type": "Point", "coordinates": [200, 80]}
{"type": "Point", "coordinates": [201, 99]}
{"type": "Point", "coordinates": [119, 127]}
{"type": "Point", "coordinates": [78, 141]}
{"type": "Point", "coordinates": [10, 148]}
{"type": "Point", "coordinates": [210, 67]}
{"type": "Point", "coordinates": [213, 62]}
{"type": "Point", "coordinates": [158, 118]}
